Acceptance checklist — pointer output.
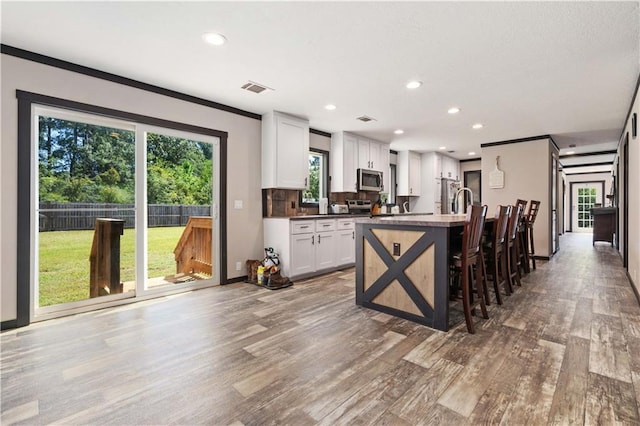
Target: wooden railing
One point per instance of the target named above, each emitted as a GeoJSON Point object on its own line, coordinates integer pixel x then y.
{"type": "Point", "coordinates": [105, 258]}
{"type": "Point", "coordinates": [193, 251]}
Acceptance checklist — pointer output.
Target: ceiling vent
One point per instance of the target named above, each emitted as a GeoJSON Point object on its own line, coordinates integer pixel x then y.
{"type": "Point", "coordinates": [366, 119]}
{"type": "Point", "coordinates": [450, 152]}
{"type": "Point", "coordinates": [254, 87]}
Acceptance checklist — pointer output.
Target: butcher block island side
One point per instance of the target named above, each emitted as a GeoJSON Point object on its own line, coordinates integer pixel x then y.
{"type": "Point", "coordinates": [402, 266]}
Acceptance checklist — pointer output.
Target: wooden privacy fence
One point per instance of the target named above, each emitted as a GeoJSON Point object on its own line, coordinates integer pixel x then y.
{"type": "Point", "coordinates": [105, 258]}
{"type": "Point", "coordinates": [82, 216]}
{"type": "Point", "coordinates": [193, 251]}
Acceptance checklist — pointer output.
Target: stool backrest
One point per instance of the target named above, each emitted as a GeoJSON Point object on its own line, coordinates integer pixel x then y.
{"type": "Point", "coordinates": [533, 211]}
{"type": "Point", "coordinates": [514, 220]}
{"type": "Point", "coordinates": [473, 229]}
{"type": "Point", "coordinates": [500, 225]}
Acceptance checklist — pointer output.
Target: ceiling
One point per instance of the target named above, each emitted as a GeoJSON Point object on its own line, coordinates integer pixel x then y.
{"type": "Point", "coordinates": [567, 69]}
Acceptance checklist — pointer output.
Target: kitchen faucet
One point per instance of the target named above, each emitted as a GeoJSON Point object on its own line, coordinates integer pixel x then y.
{"type": "Point", "coordinates": [457, 206]}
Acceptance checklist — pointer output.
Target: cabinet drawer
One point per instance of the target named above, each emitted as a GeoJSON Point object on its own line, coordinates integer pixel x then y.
{"type": "Point", "coordinates": [325, 225]}
{"type": "Point", "coordinates": [346, 224]}
{"type": "Point", "coordinates": [302, 227]}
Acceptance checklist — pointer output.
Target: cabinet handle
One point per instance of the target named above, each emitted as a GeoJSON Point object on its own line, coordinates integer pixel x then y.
{"type": "Point", "coordinates": [326, 224]}
{"type": "Point", "coordinates": [313, 239]}
{"type": "Point", "coordinates": [353, 235]}
{"type": "Point", "coordinates": [372, 164]}
{"type": "Point", "coordinates": [305, 182]}
{"type": "Point", "coordinates": [304, 226]}
{"type": "Point", "coordinates": [318, 239]}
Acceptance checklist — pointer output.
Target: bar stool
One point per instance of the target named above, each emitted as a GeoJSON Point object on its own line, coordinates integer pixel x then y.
{"type": "Point", "coordinates": [532, 213]}
{"type": "Point", "coordinates": [468, 264]}
{"type": "Point", "coordinates": [522, 238]}
{"type": "Point", "coordinates": [496, 253]}
{"type": "Point", "coordinates": [513, 254]}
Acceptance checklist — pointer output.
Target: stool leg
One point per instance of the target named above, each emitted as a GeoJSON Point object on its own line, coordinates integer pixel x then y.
{"type": "Point", "coordinates": [533, 250]}
{"type": "Point", "coordinates": [481, 287]}
{"type": "Point", "coordinates": [497, 277]}
{"type": "Point", "coordinates": [466, 298]}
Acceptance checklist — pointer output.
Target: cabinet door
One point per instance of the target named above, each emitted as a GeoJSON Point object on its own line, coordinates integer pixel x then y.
{"type": "Point", "coordinates": [363, 154]}
{"type": "Point", "coordinates": [375, 159]}
{"type": "Point", "coordinates": [346, 250]}
{"type": "Point", "coordinates": [325, 250]}
{"type": "Point", "coordinates": [292, 164]}
{"type": "Point", "coordinates": [414, 174]}
{"type": "Point", "coordinates": [385, 167]}
{"type": "Point", "coordinates": [350, 167]}
{"type": "Point", "coordinates": [302, 254]}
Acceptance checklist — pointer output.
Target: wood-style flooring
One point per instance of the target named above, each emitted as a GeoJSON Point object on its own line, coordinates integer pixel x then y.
{"type": "Point", "coordinates": [564, 349]}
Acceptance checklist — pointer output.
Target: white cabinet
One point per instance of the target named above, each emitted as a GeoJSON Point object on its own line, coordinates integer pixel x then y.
{"type": "Point", "coordinates": [385, 161]}
{"type": "Point", "coordinates": [345, 241]}
{"type": "Point", "coordinates": [349, 153]}
{"type": "Point", "coordinates": [285, 151]}
{"type": "Point", "coordinates": [325, 244]}
{"type": "Point", "coordinates": [343, 160]}
{"type": "Point", "coordinates": [302, 260]}
{"type": "Point", "coordinates": [408, 169]}
{"type": "Point", "coordinates": [370, 154]}
{"type": "Point", "coordinates": [450, 168]}
{"type": "Point", "coordinates": [310, 246]}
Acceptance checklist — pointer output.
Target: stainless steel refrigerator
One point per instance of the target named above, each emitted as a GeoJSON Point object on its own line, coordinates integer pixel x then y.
{"type": "Point", "coordinates": [449, 187]}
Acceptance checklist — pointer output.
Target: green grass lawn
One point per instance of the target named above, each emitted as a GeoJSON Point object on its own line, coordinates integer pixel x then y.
{"type": "Point", "coordinates": [64, 261]}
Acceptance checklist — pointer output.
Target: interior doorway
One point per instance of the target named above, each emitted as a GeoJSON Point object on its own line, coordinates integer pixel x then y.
{"type": "Point", "coordinates": [585, 196]}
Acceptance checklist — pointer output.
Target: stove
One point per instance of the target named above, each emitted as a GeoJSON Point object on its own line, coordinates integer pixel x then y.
{"type": "Point", "coordinates": [359, 206]}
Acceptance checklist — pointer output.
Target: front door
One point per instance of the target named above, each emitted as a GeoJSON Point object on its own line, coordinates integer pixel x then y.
{"type": "Point", "coordinates": [584, 196]}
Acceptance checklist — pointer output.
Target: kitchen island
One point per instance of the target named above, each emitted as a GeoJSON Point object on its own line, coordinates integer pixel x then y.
{"type": "Point", "coordinates": [402, 266]}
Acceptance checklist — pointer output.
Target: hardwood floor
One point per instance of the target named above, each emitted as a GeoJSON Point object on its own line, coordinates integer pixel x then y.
{"type": "Point", "coordinates": [564, 349]}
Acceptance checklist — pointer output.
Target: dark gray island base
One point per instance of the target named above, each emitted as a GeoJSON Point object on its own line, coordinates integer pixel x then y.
{"type": "Point", "coordinates": [402, 266]}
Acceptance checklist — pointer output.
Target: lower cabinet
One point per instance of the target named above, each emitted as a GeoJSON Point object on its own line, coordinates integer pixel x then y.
{"type": "Point", "coordinates": [345, 242]}
{"type": "Point", "coordinates": [311, 246]}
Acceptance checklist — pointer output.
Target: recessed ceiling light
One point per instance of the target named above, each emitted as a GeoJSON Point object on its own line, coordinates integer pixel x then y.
{"type": "Point", "coordinates": [216, 39]}
{"type": "Point", "coordinates": [570, 152]}
{"type": "Point", "coordinates": [443, 147]}
{"type": "Point", "coordinates": [477, 126]}
{"type": "Point", "coordinates": [330, 107]}
{"type": "Point", "coordinates": [472, 153]}
{"type": "Point", "coordinates": [414, 84]}
{"type": "Point", "coordinates": [398, 132]}
{"type": "Point", "coordinates": [453, 110]}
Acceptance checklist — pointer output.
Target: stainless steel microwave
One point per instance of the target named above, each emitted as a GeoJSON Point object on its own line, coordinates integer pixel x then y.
{"type": "Point", "coordinates": [370, 180]}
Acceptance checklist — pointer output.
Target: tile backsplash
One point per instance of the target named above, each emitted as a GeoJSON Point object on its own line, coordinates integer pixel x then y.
{"type": "Point", "coordinates": [286, 202]}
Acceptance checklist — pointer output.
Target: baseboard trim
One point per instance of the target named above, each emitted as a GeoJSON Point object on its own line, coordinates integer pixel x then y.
{"type": "Point", "coordinates": [236, 280]}
{"type": "Point", "coordinates": [542, 257]}
{"type": "Point", "coordinates": [7, 325]}
{"type": "Point", "coordinates": [633, 287]}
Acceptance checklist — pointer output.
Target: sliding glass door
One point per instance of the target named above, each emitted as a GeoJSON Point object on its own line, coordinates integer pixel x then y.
{"type": "Point", "coordinates": [123, 210]}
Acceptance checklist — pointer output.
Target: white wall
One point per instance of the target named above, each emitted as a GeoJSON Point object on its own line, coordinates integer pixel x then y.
{"type": "Point", "coordinates": [592, 177]}
{"type": "Point", "coordinates": [526, 168]}
{"type": "Point", "coordinates": [634, 196]}
{"type": "Point", "coordinates": [244, 227]}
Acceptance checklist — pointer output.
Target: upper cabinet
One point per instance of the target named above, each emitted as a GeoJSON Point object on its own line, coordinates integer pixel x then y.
{"type": "Point", "coordinates": [285, 151]}
{"type": "Point", "coordinates": [370, 154]}
{"type": "Point", "coordinates": [450, 168]}
{"type": "Point", "coordinates": [351, 152]}
{"type": "Point", "coordinates": [408, 169]}
{"type": "Point", "coordinates": [343, 162]}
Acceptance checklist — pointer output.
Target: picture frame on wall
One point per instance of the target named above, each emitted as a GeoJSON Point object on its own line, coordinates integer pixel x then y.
{"type": "Point", "coordinates": [634, 125]}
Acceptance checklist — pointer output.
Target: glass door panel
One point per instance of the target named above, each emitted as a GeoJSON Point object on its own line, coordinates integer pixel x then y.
{"type": "Point", "coordinates": [179, 210]}
{"type": "Point", "coordinates": [585, 196]}
{"type": "Point", "coordinates": [85, 211]}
